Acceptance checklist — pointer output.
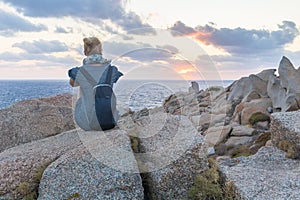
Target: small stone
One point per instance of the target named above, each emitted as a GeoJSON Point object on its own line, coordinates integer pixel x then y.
{"type": "Point", "coordinates": [210, 151]}
{"type": "Point", "coordinates": [236, 141]}
{"type": "Point", "coordinates": [269, 143]}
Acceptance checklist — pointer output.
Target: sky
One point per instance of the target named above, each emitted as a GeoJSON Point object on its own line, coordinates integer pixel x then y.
{"type": "Point", "coordinates": [157, 39]}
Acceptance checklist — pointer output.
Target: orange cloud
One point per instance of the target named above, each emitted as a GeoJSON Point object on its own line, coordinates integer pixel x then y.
{"type": "Point", "coordinates": [200, 37]}
{"type": "Point", "coordinates": [188, 72]}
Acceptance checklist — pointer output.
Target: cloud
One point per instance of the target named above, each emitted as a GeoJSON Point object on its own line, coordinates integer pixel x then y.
{"type": "Point", "coordinates": [42, 46]}
{"type": "Point", "coordinates": [150, 55]}
{"type": "Point", "coordinates": [11, 23]}
{"type": "Point", "coordinates": [63, 30]}
{"type": "Point", "coordinates": [180, 28]}
{"type": "Point", "coordinates": [88, 10]}
{"type": "Point", "coordinates": [121, 48]}
{"type": "Point", "coordinates": [248, 49]}
{"type": "Point", "coordinates": [240, 40]}
{"type": "Point", "coordinates": [244, 41]}
{"type": "Point", "coordinates": [169, 48]}
{"type": "Point", "coordinates": [141, 52]}
{"type": "Point", "coordinates": [47, 59]}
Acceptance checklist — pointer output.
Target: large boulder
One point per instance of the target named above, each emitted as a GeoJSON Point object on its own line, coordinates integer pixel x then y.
{"type": "Point", "coordinates": [285, 129]}
{"type": "Point", "coordinates": [265, 175]}
{"type": "Point", "coordinates": [35, 119]}
{"type": "Point", "coordinates": [265, 74]}
{"type": "Point", "coordinates": [88, 165]}
{"type": "Point", "coordinates": [246, 110]}
{"type": "Point", "coordinates": [247, 89]}
{"type": "Point", "coordinates": [21, 167]}
{"type": "Point", "coordinates": [238, 130]}
{"type": "Point", "coordinates": [103, 167]}
{"type": "Point", "coordinates": [170, 153]}
{"type": "Point", "coordinates": [206, 119]}
{"type": "Point", "coordinates": [285, 90]}
{"type": "Point", "coordinates": [289, 76]}
{"type": "Point", "coordinates": [217, 134]}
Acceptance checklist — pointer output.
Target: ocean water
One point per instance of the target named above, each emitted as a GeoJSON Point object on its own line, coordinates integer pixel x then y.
{"type": "Point", "coordinates": [133, 94]}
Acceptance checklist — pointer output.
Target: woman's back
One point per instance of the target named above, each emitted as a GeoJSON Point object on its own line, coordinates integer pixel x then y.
{"type": "Point", "coordinates": [85, 115]}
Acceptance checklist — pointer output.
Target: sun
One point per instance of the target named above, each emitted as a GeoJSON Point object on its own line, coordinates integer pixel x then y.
{"type": "Point", "coordinates": [187, 72]}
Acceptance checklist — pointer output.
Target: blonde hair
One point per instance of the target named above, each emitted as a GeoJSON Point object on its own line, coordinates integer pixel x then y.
{"type": "Point", "coordinates": [92, 45]}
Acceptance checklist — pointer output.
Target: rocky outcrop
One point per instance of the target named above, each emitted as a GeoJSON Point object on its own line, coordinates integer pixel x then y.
{"type": "Point", "coordinates": [194, 87]}
{"type": "Point", "coordinates": [35, 119]}
{"type": "Point", "coordinates": [285, 128]}
{"type": "Point", "coordinates": [21, 167]}
{"type": "Point", "coordinates": [158, 153]}
{"type": "Point", "coordinates": [265, 175]}
{"type": "Point", "coordinates": [289, 77]}
{"type": "Point", "coordinates": [102, 168]}
{"type": "Point", "coordinates": [285, 89]}
{"type": "Point", "coordinates": [248, 88]}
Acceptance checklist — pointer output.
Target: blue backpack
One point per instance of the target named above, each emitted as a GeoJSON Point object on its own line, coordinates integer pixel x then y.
{"type": "Point", "coordinates": [105, 100]}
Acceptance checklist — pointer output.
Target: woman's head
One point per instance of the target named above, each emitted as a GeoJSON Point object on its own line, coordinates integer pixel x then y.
{"type": "Point", "coordinates": [92, 45]}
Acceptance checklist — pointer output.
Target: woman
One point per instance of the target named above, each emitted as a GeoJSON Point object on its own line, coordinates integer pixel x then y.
{"type": "Point", "coordinates": [95, 66]}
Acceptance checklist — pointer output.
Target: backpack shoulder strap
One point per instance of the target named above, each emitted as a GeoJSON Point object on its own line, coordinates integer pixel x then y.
{"type": "Point", "coordinates": [108, 75]}
{"type": "Point", "coordinates": [88, 77]}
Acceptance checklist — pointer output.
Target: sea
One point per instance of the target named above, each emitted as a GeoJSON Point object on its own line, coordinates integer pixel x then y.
{"type": "Point", "coordinates": [131, 94]}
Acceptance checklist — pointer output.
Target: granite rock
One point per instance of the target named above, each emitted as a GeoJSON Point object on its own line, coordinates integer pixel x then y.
{"type": "Point", "coordinates": [285, 126]}
{"type": "Point", "coordinates": [248, 88]}
{"type": "Point", "coordinates": [217, 134]}
{"type": "Point", "coordinates": [238, 140]}
{"type": "Point", "coordinates": [103, 167]}
{"type": "Point", "coordinates": [281, 100]}
{"type": "Point", "coordinates": [265, 175]}
{"type": "Point", "coordinates": [35, 119]}
{"type": "Point", "coordinates": [285, 89]}
{"type": "Point", "coordinates": [289, 77]}
{"type": "Point", "coordinates": [21, 164]}
{"type": "Point", "coordinates": [170, 153]}
{"type": "Point", "coordinates": [242, 131]}
{"type": "Point", "coordinates": [245, 110]}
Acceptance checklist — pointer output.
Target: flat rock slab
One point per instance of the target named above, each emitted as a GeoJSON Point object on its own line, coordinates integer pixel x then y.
{"type": "Point", "coordinates": [265, 175]}
{"type": "Point", "coordinates": [88, 172]}
{"type": "Point", "coordinates": [35, 119]}
{"type": "Point", "coordinates": [286, 126]}
{"type": "Point", "coordinates": [18, 165]}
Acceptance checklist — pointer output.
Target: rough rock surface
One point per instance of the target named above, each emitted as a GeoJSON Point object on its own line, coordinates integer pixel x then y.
{"type": "Point", "coordinates": [285, 126]}
{"type": "Point", "coordinates": [19, 165]}
{"type": "Point", "coordinates": [265, 175]}
{"type": "Point", "coordinates": [242, 131]}
{"type": "Point", "coordinates": [102, 168]}
{"type": "Point", "coordinates": [35, 119]}
{"type": "Point", "coordinates": [285, 90]}
{"type": "Point", "coordinates": [235, 141]}
{"type": "Point", "coordinates": [170, 154]}
{"type": "Point", "coordinates": [217, 134]}
{"type": "Point", "coordinates": [289, 77]}
{"type": "Point", "coordinates": [282, 101]}
{"type": "Point", "coordinates": [245, 110]}
{"type": "Point", "coordinates": [248, 88]}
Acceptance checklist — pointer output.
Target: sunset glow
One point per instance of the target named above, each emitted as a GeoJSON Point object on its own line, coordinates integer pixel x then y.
{"type": "Point", "coordinates": [43, 40]}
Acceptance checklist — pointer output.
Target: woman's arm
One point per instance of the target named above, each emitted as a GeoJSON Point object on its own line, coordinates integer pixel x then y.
{"type": "Point", "coordinates": [72, 74]}
{"type": "Point", "coordinates": [73, 83]}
